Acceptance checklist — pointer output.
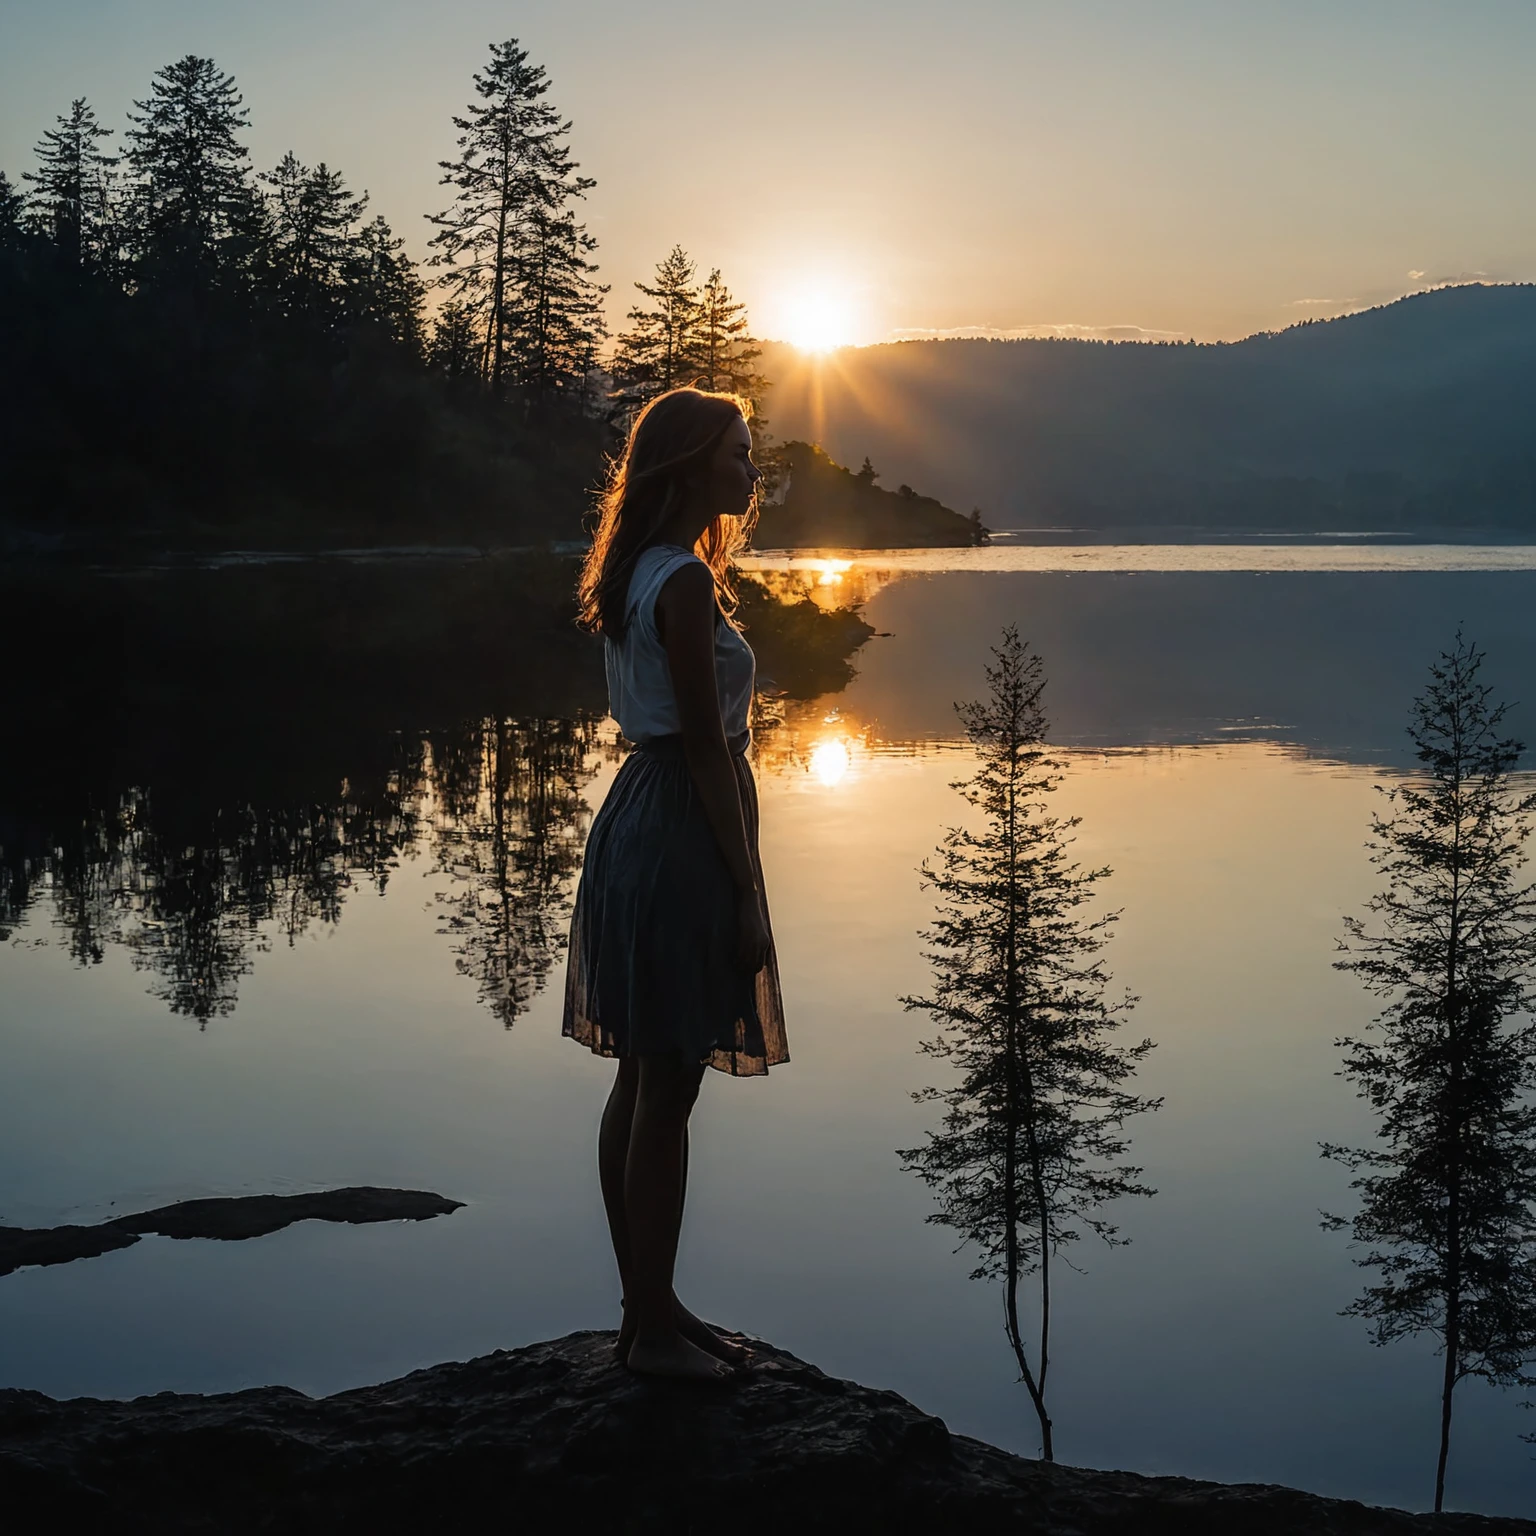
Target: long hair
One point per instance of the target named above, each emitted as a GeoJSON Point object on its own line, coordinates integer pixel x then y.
{"type": "Point", "coordinates": [647, 483]}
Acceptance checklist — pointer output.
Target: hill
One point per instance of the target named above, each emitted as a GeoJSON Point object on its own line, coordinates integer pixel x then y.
{"type": "Point", "coordinates": [1415, 413]}
{"type": "Point", "coordinates": [824, 504]}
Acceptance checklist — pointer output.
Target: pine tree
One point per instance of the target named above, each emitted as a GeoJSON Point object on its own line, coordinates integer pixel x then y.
{"type": "Point", "coordinates": [383, 288]}
{"type": "Point", "coordinates": [726, 349]}
{"type": "Point", "coordinates": [313, 218]}
{"type": "Point", "coordinates": [512, 255]}
{"type": "Point", "coordinates": [13, 208]}
{"type": "Point", "coordinates": [190, 165]}
{"type": "Point", "coordinates": [559, 323]}
{"type": "Point", "coordinates": [661, 349]}
{"type": "Point", "coordinates": [454, 348]}
{"type": "Point", "coordinates": [1448, 1192]}
{"type": "Point", "coordinates": [1033, 1137]}
{"type": "Point", "coordinates": [73, 197]}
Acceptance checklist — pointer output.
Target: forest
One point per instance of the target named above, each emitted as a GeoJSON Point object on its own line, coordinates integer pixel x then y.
{"type": "Point", "coordinates": [197, 353]}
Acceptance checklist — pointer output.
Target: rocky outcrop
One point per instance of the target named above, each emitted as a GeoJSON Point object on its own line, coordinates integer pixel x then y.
{"type": "Point", "coordinates": [557, 1437]}
{"type": "Point", "coordinates": [227, 1218]}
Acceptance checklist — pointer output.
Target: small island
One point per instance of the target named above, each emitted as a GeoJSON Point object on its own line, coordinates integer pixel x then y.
{"type": "Point", "coordinates": [823, 505]}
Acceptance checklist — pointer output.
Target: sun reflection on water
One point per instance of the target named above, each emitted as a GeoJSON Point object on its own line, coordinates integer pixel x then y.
{"type": "Point", "coordinates": [830, 760]}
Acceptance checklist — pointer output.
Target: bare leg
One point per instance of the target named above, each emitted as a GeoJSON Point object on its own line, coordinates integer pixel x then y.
{"type": "Point", "coordinates": [653, 1195]}
{"type": "Point", "coordinates": [612, 1154]}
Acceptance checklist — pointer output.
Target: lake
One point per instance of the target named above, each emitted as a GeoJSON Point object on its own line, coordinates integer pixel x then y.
{"type": "Point", "coordinates": [278, 953]}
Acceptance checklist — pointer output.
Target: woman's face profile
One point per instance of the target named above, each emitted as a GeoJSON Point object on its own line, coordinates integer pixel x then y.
{"type": "Point", "coordinates": [731, 473]}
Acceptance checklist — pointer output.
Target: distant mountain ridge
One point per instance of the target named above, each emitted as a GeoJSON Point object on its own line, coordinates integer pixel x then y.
{"type": "Point", "coordinates": [1416, 413]}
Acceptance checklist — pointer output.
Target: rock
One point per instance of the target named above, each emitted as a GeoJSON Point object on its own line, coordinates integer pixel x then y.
{"type": "Point", "coordinates": [229, 1219]}
{"type": "Point", "coordinates": [556, 1437]}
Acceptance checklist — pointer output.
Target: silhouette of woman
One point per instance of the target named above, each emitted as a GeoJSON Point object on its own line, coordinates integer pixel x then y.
{"type": "Point", "coordinates": [671, 965]}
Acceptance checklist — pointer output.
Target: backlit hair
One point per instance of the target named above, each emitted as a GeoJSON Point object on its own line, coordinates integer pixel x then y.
{"type": "Point", "coordinates": [647, 482]}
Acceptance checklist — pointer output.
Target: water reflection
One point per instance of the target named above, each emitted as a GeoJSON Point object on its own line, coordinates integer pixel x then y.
{"type": "Point", "coordinates": [195, 891]}
{"type": "Point", "coordinates": [432, 837]}
{"type": "Point", "coordinates": [508, 826]}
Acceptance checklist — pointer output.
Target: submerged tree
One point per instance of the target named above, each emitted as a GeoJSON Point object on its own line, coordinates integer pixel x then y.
{"type": "Point", "coordinates": [1033, 1139]}
{"type": "Point", "coordinates": [1448, 1192]}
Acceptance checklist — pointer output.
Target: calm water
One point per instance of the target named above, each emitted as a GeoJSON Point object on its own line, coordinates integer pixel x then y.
{"type": "Point", "coordinates": [221, 987]}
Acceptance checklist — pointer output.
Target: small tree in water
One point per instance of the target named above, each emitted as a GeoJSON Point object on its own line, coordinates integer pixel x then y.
{"type": "Point", "coordinates": [1032, 1141]}
{"type": "Point", "coordinates": [1448, 1192]}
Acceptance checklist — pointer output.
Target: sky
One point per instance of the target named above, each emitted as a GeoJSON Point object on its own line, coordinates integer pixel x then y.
{"type": "Point", "coordinates": [884, 168]}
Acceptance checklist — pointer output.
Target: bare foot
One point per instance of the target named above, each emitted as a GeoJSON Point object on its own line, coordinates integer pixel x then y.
{"type": "Point", "coordinates": [698, 1332]}
{"type": "Point", "coordinates": [692, 1328]}
{"type": "Point", "coordinates": [671, 1355]}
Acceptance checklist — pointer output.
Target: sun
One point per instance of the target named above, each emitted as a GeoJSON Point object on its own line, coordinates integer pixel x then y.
{"type": "Point", "coordinates": [818, 320]}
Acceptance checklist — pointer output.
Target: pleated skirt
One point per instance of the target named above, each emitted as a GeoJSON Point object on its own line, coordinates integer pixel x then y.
{"type": "Point", "coordinates": [651, 967]}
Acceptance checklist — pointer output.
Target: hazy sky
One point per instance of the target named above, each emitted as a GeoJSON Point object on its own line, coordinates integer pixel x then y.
{"type": "Point", "coordinates": [1200, 167]}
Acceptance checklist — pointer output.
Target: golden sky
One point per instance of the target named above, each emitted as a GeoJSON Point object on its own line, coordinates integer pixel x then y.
{"type": "Point", "coordinates": [1186, 167]}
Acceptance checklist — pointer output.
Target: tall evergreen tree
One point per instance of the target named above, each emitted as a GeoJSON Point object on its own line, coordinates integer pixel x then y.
{"type": "Point", "coordinates": [73, 187]}
{"type": "Point", "coordinates": [1448, 1192]}
{"type": "Point", "coordinates": [661, 349]}
{"type": "Point", "coordinates": [558, 325]}
{"type": "Point", "coordinates": [511, 253]}
{"type": "Point", "coordinates": [1032, 1141]}
{"type": "Point", "coordinates": [726, 349]}
{"type": "Point", "coordinates": [313, 218]}
{"type": "Point", "coordinates": [191, 191]}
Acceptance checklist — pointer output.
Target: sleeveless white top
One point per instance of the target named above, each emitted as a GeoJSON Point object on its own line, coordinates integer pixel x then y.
{"type": "Point", "coordinates": [640, 695]}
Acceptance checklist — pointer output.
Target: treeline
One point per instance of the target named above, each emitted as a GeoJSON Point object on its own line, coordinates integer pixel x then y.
{"type": "Point", "coordinates": [194, 348]}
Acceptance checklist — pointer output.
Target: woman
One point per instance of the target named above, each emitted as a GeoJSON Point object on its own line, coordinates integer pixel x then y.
{"type": "Point", "coordinates": [671, 964]}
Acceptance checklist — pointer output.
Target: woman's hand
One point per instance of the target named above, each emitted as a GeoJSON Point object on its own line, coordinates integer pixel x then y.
{"type": "Point", "coordinates": [751, 931]}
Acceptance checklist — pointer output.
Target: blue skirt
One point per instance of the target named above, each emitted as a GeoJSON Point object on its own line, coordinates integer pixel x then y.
{"type": "Point", "coordinates": [651, 966]}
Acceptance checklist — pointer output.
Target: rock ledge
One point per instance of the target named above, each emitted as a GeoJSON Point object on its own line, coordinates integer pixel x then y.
{"type": "Point", "coordinates": [555, 1437]}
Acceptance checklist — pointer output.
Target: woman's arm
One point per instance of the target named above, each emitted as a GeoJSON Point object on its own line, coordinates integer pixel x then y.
{"type": "Point", "coordinates": [686, 617]}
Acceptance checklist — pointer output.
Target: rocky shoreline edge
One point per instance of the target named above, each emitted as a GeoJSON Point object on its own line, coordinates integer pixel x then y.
{"type": "Point", "coordinates": [556, 1436]}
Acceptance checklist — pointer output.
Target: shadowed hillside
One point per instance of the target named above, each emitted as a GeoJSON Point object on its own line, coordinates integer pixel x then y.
{"type": "Point", "coordinates": [1413, 414]}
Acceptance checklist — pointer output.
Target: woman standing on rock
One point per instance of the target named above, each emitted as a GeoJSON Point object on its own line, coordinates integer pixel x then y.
{"type": "Point", "coordinates": [671, 965]}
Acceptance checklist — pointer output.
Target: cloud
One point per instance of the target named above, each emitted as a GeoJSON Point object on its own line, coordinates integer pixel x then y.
{"type": "Point", "coordinates": [1036, 332]}
{"type": "Point", "coordinates": [1325, 303]}
{"type": "Point", "coordinates": [1451, 279]}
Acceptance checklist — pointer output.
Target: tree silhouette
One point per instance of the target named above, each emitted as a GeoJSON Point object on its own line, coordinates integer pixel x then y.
{"type": "Point", "coordinates": [512, 255]}
{"type": "Point", "coordinates": [313, 218]}
{"type": "Point", "coordinates": [661, 350]}
{"type": "Point", "coordinates": [512, 821]}
{"type": "Point", "coordinates": [191, 191]}
{"type": "Point", "coordinates": [1032, 1141]}
{"type": "Point", "coordinates": [1448, 1191]}
{"type": "Point", "coordinates": [726, 350]}
{"type": "Point", "coordinates": [453, 349]}
{"type": "Point", "coordinates": [72, 196]}
{"type": "Point", "coordinates": [383, 288]}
